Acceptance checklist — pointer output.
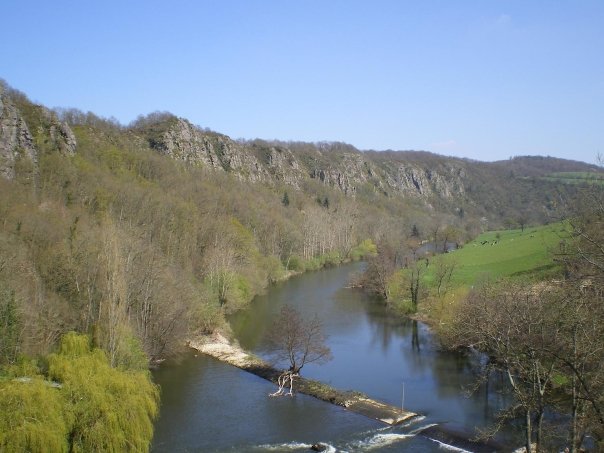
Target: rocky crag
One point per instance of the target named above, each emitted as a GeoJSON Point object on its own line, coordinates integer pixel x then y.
{"type": "Point", "coordinates": [22, 141]}
{"type": "Point", "coordinates": [446, 184]}
{"type": "Point", "coordinates": [334, 165]}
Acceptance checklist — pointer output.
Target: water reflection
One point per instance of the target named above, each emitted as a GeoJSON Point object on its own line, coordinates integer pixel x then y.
{"type": "Point", "coordinates": [374, 350]}
{"type": "Point", "coordinates": [209, 406]}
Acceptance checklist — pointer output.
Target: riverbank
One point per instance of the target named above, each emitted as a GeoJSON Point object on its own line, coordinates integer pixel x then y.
{"type": "Point", "coordinates": [219, 347]}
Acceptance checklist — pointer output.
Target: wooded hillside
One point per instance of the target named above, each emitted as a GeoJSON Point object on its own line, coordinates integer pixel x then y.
{"type": "Point", "coordinates": [147, 233]}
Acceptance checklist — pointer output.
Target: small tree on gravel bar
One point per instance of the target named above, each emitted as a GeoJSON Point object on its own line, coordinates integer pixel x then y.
{"type": "Point", "coordinates": [296, 341]}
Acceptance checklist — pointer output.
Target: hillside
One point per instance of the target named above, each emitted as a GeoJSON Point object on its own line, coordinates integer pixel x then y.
{"type": "Point", "coordinates": [150, 233]}
{"type": "Point", "coordinates": [497, 191]}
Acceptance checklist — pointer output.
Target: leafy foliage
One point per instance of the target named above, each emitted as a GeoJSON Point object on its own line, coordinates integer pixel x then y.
{"type": "Point", "coordinates": [81, 404]}
{"type": "Point", "coordinates": [31, 417]}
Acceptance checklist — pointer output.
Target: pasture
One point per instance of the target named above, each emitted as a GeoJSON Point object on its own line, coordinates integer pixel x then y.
{"type": "Point", "coordinates": [507, 253]}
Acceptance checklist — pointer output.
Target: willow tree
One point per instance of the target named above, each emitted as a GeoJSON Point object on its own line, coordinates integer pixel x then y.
{"type": "Point", "coordinates": [31, 416]}
{"type": "Point", "coordinates": [108, 409]}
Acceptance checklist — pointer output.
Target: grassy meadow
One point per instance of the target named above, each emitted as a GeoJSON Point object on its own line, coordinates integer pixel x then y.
{"type": "Point", "coordinates": [576, 177]}
{"type": "Point", "coordinates": [516, 254]}
{"type": "Point", "coordinates": [506, 253]}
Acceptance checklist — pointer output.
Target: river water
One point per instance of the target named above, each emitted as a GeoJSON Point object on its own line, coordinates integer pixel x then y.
{"type": "Point", "coordinates": [211, 406]}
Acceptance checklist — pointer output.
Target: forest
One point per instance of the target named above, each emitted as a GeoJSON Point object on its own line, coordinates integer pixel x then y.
{"type": "Point", "coordinates": [119, 243]}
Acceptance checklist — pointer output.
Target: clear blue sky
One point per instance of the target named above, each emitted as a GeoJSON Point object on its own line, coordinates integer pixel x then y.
{"type": "Point", "coordinates": [479, 79]}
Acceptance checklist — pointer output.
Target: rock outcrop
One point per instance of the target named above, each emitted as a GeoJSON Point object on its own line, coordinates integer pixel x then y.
{"type": "Point", "coordinates": [336, 166]}
{"type": "Point", "coordinates": [16, 142]}
{"type": "Point", "coordinates": [185, 142]}
{"type": "Point", "coordinates": [21, 140]}
{"type": "Point", "coordinates": [422, 181]}
{"type": "Point", "coordinates": [61, 136]}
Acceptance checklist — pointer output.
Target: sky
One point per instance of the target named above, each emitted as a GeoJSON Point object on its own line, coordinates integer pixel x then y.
{"type": "Point", "coordinates": [485, 80]}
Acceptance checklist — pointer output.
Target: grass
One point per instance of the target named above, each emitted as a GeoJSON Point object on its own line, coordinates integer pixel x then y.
{"type": "Point", "coordinates": [523, 255]}
{"type": "Point", "coordinates": [576, 177]}
{"type": "Point", "coordinates": [508, 253]}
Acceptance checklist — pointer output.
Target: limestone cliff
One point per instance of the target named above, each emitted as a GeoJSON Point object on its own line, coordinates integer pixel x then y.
{"type": "Point", "coordinates": [28, 131]}
{"type": "Point", "coordinates": [24, 135]}
{"type": "Point", "coordinates": [185, 142]}
{"type": "Point", "coordinates": [16, 142]}
{"type": "Point", "coordinates": [345, 169]}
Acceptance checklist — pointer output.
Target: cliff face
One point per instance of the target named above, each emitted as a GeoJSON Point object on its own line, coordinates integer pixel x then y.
{"type": "Point", "coordinates": [16, 142]}
{"type": "Point", "coordinates": [346, 170]}
{"type": "Point", "coordinates": [442, 180]}
{"type": "Point", "coordinates": [22, 140]}
{"type": "Point", "coordinates": [183, 141]}
{"type": "Point", "coordinates": [28, 131]}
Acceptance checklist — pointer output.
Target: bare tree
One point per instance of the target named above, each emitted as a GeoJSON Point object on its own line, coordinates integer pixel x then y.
{"type": "Point", "coordinates": [296, 341]}
{"type": "Point", "coordinates": [379, 270]}
{"type": "Point", "coordinates": [415, 283]}
{"type": "Point", "coordinates": [514, 325]}
{"type": "Point", "coordinates": [581, 348]}
{"type": "Point", "coordinates": [443, 274]}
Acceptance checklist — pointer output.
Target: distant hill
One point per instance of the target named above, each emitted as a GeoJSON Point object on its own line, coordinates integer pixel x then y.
{"type": "Point", "coordinates": [542, 166]}
{"type": "Point", "coordinates": [497, 191]}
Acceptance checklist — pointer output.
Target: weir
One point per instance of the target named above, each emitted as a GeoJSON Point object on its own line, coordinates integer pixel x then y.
{"type": "Point", "coordinates": [220, 348]}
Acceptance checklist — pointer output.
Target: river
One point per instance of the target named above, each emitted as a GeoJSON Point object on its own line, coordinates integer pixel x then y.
{"type": "Point", "coordinates": [210, 406]}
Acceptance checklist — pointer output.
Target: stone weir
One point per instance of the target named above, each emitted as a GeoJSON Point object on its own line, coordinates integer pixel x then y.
{"type": "Point", "coordinates": [219, 347]}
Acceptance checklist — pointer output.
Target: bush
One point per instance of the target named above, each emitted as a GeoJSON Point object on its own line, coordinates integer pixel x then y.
{"type": "Point", "coordinates": [332, 258]}
{"type": "Point", "coordinates": [398, 293]}
{"type": "Point", "coordinates": [313, 264]}
{"type": "Point", "coordinates": [274, 268]}
{"type": "Point", "coordinates": [364, 250]}
{"type": "Point", "coordinates": [296, 264]}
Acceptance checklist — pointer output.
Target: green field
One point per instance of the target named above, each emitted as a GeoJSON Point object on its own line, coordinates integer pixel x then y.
{"type": "Point", "coordinates": [507, 253]}
{"type": "Point", "coordinates": [576, 178]}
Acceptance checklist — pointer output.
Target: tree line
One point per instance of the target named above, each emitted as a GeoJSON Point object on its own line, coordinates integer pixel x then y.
{"type": "Point", "coordinates": [547, 338]}
{"type": "Point", "coordinates": [543, 336]}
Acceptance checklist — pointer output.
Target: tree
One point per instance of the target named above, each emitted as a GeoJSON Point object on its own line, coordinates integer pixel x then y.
{"type": "Point", "coordinates": [523, 220]}
{"type": "Point", "coordinates": [581, 347]}
{"type": "Point", "coordinates": [108, 409]}
{"type": "Point", "coordinates": [32, 416]}
{"type": "Point", "coordinates": [415, 283]}
{"type": "Point", "coordinates": [285, 199]}
{"type": "Point", "coordinates": [379, 271]}
{"type": "Point", "coordinates": [443, 274]}
{"type": "Point", "coordinates": [296, 341]}
{"type": "Point", "coordinates": [9, 326]}
{"type": "Point", "coordinates": [446, 235]}
{"type": "Point", "coordinates": [514, 325]}
{"type": "Point", "coordinates": [79, 403]}
{"type": "Point", "coordinates": [415, 231]}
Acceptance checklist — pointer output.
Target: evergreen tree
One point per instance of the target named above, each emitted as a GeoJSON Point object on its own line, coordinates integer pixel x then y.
{"type": "Point", "coordinates": [415, 231]}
